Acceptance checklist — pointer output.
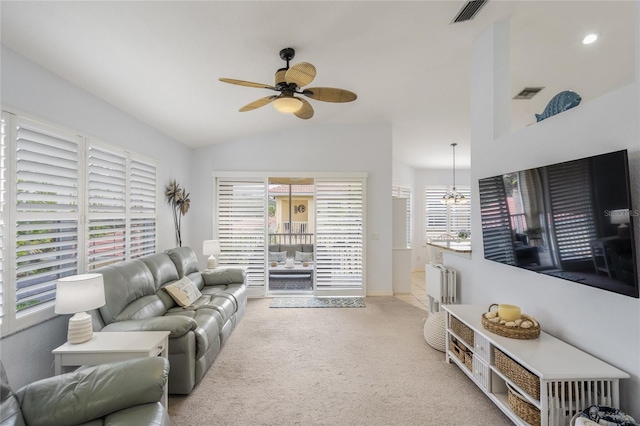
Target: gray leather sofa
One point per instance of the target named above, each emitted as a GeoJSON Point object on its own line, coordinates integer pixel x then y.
{"type": "Point", "coordinates": [122, 393]}
{"type": "Point", "coordinates": [136, 301]}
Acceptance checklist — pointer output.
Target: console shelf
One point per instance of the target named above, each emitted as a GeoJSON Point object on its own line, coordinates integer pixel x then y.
{"type": "Point", "coordinates": [570, 380]}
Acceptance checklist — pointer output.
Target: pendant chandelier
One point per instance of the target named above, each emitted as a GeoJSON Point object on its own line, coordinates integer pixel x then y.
{"type": "Point", "coordinates": [453, 196]}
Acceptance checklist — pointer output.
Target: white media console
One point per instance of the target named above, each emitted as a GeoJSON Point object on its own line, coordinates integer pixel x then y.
{"type": "Point", "coordinates": [570, 380]}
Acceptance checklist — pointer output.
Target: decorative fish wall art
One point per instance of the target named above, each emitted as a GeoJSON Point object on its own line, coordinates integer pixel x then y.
{"type": "Point", "coordinates": [560, 103]}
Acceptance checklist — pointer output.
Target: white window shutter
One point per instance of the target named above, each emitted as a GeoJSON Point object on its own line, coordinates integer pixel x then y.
{"type": "Point", "coordinates": [107, 207]}
{"type": "Point", "coordinates": [405, 192]}
{"type": "Point", "coordinates": [446, 219]}
{"type": "Point", "coordinates": [47, 180]}
{"type": "Point", "coordinates": [339, 236]}
{"type": "Point", "coordinates": [3, 153]}
{"type": "Point", "coordinates": [436, 223]}
{"type": "Point", "coordinates": [241, 218]}
{"type": "Point", "coordinates": [142, 186]}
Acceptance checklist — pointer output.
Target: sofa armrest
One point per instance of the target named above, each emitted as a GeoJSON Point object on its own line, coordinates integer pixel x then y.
{"type": "Point", "coordinates": [223, 276]}
{"type": "Point", "coordinates": [94, 392]}
{"type": "Point", "coordinates": [177, 325]}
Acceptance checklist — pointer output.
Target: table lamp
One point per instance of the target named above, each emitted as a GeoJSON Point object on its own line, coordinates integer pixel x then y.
{"type": "Point", "coordinates": [77, 294]}
{"type": "Point", "coordinates": [211, 247]}
{"type": "Point", "coordinates": [621, 218]}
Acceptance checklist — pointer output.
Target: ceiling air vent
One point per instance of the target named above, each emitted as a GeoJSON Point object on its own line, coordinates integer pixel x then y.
{"type": "Point", "coordinates": [469, 10]}
{"type": "Point", "coordinates": [528, 92]}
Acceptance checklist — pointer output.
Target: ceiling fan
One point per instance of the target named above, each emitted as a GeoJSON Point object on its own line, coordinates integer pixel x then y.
{"type": "Point", "coordinates": [289, 82]}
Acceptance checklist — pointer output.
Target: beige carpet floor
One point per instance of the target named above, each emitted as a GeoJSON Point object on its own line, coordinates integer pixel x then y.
{"type": "Point", "coordinates": [333, 366]}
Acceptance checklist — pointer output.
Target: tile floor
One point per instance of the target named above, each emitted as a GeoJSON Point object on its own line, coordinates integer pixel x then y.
{"type": "Point", "coordinates": [418, 295]}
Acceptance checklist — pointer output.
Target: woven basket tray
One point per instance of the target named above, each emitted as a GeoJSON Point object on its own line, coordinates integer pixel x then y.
{"type": "Point", "coordinates": [513, 332]}
{"type": "Point", "coordinates": [523, 408]}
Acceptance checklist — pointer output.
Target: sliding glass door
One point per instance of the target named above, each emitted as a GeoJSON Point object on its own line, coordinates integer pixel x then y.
{"type": "Point", "coordinates": [245, 225]}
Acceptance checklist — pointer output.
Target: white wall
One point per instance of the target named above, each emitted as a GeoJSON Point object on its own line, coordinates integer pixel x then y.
{"type": "Point", "coordinates": [30, 89]}
{"type": "Point", "coordinates": [314, 148]}
{"type": "Point", "coordinates": [602, 323]}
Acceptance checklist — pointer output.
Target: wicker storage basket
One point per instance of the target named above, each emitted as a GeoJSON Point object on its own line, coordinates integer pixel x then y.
{"type": "Point", "coordinates": [464, 332]}
{"type": "Point", "coordinates": [528, 382]}
{"type": "Point", "coordinates": [468, 360]}
{"type": "Point", "coordinates": [461, 352]}
{"type": "Point", "coordinates": [523, 408]}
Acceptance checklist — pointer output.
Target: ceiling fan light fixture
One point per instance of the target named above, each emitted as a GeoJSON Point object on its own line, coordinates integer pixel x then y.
{"type": "Point", "coordinates": [590, 38]}
{"type": "Point", "coordinates": [287, 104]}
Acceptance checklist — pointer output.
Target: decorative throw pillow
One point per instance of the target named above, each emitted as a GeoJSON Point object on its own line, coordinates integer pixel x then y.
{"type": "Point", "coordinates": [183, 291]}
{"type": "Point", "coordinates": [277, 256]}
{"type": "Point", "coordinates": [302, 256]}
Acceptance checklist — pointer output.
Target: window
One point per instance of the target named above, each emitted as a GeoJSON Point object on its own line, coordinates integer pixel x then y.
{"type": "Point", "coordinates": [446, 219]}
{"type": "Point", "coordinates": [46, 215]}
{"type": "Point", "coordinates": [60, 178]}
{"type": "Point", "coordinates": [405, 192]}
{"type": "Point", "coordinates": [142, 208]}
{"type": "Point", "coordinates": [107, 219]}
{"type": "Point", "coordinates": [3, 123]}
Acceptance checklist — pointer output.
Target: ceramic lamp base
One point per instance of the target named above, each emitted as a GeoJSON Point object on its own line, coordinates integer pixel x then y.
{"type": "Point", "coordinates": [80, 328]}
{"type": "Point", "coordinates": [212, 262]}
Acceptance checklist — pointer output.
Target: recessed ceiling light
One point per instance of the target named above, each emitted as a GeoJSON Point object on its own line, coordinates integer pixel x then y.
{"type": "Point", "coordinates": [589, 38]}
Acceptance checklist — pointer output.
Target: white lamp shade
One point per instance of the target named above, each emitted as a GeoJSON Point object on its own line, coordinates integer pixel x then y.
{"type": "Point", "coordinates": [210, 247]}
{"type": "Point", "coordinates": [619, 217]}
{"type": "Point", "coordinates": [79, 293]}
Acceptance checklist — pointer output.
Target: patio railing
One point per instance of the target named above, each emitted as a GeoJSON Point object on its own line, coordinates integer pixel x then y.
{"type": "Point", "coordinates": [299, 238]}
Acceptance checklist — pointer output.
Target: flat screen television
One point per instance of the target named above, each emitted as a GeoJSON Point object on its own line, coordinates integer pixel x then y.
{"type": "Point", "coordinates": [571, 220]}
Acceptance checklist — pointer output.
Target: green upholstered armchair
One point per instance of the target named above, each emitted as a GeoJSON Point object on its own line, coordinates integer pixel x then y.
{"type": "Point", "coordinates": [122, 393]}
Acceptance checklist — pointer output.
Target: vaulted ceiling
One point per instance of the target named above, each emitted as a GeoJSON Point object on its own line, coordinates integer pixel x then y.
{"type": "Point", "coordinates": [160, 61]}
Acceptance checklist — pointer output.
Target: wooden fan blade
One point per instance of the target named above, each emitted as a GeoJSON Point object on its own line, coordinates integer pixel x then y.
{"type": "Point", "coordinates": [246, 83]}
{"type": "Point", "coordinates": [306, 111]}
{"type": "Point", "coordinates": [329, 94]}
{"type": "Point", "coordinates": [301, 74]}
{"type": "Point", "coordinates": [257, 104]}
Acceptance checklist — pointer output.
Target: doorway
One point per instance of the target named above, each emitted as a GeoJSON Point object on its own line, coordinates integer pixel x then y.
{"type": "Point", "coordinates": [321, 219]}
{"type": "Point", "coordinates": [291, 238]}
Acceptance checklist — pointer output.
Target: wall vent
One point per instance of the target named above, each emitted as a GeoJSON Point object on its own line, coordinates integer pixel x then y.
{"type": "Point", "coordinates": [469, 10]}
{"type": "Point", "coordinates": [528, 92]}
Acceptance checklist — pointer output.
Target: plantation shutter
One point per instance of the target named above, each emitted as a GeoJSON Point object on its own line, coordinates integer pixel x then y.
{"type": "Point", "coordinates": [3, 152]}
{"type": "Point", "coordinates": [404, 192]}
{"type": "Point", "coordinates": [460, 214]}
{"type": "Point", "coordinates": [142, 186]}
{"type": "Point", "coordinates": [241, 219]}
{"type": "Point", "coordinates": [435, 212]}
{"type": "Point", "coordinates": [572, 209]}
{"type": "Point", "coordinates": [47, 180]}
{"type": "Point", "coordinates": [107, 207]}
{"type": "Point", "coordinates": [496, 222]}
{"type": "Point", "coordinates": [339, 237]}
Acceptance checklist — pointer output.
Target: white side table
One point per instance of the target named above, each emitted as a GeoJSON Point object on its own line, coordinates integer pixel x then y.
{"type": "Point", "coordinates": [105, 347]}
